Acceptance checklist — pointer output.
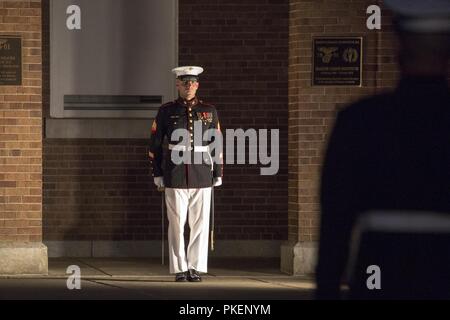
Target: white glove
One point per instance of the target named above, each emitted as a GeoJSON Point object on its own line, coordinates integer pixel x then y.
{"type": "Point", "coordinates": [217, 182]}
{"type": "Point", "coordinates": [159, 182]}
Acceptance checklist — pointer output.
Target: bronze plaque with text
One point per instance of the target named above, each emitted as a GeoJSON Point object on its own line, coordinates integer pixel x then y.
{"type": "Point", "coordinates": [337, 61]}
{"type": "Point", "coordinates": [10, 61]}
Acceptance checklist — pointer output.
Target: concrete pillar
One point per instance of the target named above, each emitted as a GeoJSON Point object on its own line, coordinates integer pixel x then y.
{"type": "Point", "coordinates": [298, 258]}
{"type": "Point", "coordinates": [23, 258]}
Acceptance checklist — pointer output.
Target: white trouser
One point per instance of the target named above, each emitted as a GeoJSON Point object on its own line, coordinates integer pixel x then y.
{"type": "Point", "coordinates": [178, 203]}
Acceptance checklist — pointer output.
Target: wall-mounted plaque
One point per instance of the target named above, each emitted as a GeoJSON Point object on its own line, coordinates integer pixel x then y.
{"type": "Point", "coordinates": [337, 61]}
{"type": "Point", "coordinates": [10, 61]}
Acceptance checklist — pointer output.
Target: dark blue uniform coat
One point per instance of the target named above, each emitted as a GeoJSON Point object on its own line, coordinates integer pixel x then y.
{"type": "Point", "coordinates": [176, 115]}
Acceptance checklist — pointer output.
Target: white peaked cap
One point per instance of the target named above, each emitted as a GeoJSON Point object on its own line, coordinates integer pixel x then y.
{"type": "Point", "coordinates": [187, 71]}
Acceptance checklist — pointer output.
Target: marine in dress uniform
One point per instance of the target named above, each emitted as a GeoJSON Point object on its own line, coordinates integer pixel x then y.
{"type": "Point", "coordinates": [188, 184]}
{"type": "Point", "coordinates": [391, 153]}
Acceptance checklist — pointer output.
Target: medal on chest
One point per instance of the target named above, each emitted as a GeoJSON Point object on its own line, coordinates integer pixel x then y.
{"type": "Point", "coordinates": [205, 117]}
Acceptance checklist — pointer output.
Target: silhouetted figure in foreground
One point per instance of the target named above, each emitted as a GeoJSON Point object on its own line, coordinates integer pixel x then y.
{"type": "Point", "coordinates": [391, 153]}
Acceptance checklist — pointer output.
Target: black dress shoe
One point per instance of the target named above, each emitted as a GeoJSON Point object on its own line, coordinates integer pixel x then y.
{"type": "Point", "coordinates": [194, 276]}
{"type": "Point", "coordinates": [181, 277]}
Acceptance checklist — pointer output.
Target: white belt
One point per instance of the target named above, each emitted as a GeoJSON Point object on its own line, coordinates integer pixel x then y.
{"type": "Point", "coordinates": [177, 147]}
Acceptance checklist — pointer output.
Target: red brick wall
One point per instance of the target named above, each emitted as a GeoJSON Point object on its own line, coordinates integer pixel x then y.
{"type": "Point", "coordinates": [100, 189]}
{"type": "Point", "coordinates": [20, 129]}
{"type": "Point", "coordinates": [312, 109]}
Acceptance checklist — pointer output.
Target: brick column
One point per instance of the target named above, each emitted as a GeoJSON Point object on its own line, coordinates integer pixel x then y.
{"type": "Point", "coordinates": [312, 109]}
{"type": "Point", "coordinates": [21, 248]}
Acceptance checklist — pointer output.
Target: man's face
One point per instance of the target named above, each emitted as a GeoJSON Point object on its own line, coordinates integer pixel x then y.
{"type": "Point", "coordinates": [187, 88]}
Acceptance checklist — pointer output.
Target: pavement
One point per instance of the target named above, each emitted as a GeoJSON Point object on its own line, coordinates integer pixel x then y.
{"type": "Point", "coordinates": [147, 279]}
